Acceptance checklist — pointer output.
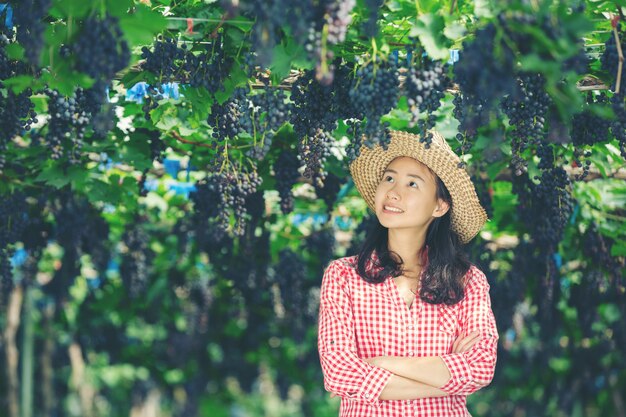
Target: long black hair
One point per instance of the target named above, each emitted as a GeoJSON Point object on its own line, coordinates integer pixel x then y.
{"type": "Point", "coordinates": [442, 282]}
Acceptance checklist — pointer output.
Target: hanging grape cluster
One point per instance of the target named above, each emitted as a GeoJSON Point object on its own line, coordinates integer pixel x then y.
{"type": "Point", "coordinates": [13, 220]}
{"type": "Point", "coordinates": [219, 195]}
{"type": "Point", "coordinates": [28, 16]}
{"type": "Point", "coordinates": [424, 88]}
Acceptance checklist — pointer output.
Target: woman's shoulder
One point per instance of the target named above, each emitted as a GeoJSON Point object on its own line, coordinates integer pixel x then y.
{"type": "Point", "coordinates": [475, 279]}
{"type": "Point", "coordinates": [342, 269]}
{"type": "Point", "coordinates": [346, 263]}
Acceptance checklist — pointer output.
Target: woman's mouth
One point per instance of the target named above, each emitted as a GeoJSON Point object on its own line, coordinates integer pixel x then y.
{"type": "Point", "coordinates": [392, 210]}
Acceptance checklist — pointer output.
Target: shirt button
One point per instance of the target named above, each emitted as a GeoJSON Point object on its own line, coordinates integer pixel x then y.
{"type": "Point", "coordinates": [366, 395]}
{"type": "Point", "coordinates": [409, 327]}
{"type": "Point", "coordinates": [411, 353]}
{"type": "Point", "coordinates": [462, 378]}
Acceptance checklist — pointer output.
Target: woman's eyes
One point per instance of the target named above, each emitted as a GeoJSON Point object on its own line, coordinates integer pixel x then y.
{"type": "Point", "coordinates": [411, 183]}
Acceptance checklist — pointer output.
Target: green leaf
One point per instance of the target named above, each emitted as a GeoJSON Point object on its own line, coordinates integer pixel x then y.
{"type": "Point", "coordinates": [19, 83]}
{"type": "Point", "coordinates": [141, 27]}
{"type": "Point", "coordinates": [494, 169]}
{"type": "Point", "coordinates": [559, 365]}
{"type": "Point", "coordinates": [14, 51]}
{"type": "Point", "coordinates": [73, 8]}
{"type": "Point", "coordinates": [454, 31]}
{"type": "Point", "coordinates": [281, 62]}
{"type": "Point", "coordinates": [168, 123]}
{"type": "Point", "coordinates": [429, 29]}
{"type": "Point", "coordinates": [56, 177]}
{"type": "Point", "coordinates": [618, 248]}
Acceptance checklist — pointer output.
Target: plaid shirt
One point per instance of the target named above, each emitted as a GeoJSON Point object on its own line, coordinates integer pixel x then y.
{"type": "Point", "coordinates": [361, 320]}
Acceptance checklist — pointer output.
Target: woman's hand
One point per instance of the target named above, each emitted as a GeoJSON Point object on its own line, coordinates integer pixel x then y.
{"type": "Point", "coordinates": [375, 361]}
{"type": "Point", "coordinates": [463, 343]}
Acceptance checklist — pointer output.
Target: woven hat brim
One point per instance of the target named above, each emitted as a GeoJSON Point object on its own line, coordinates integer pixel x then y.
{"type": "Point", "coordinates": [467, 215]}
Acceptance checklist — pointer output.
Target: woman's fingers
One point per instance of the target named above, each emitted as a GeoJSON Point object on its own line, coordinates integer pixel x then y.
{"type": "Point", "coordinates": [463, 343]}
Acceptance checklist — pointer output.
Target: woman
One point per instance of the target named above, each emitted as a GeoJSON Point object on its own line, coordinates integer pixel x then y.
{"type": "Point", "coordinates": [406, 326]}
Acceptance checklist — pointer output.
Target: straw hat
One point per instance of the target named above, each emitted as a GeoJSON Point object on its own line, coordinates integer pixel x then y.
{"type": "Point", "coordinates": [467, 215]}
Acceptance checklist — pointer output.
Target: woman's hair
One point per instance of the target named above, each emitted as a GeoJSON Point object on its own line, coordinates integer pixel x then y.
{"type": "Point", "coordinates": [442, 281]}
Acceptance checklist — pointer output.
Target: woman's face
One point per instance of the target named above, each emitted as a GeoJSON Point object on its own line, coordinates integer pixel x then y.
{"type": "Point", "coordinates": [410, 187]}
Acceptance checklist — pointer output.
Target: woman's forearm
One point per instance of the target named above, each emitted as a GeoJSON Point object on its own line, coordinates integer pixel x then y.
{"type": "Point", "coordinates": [429, 370]}
{"type": "Point", "coordinates": [400, 388]}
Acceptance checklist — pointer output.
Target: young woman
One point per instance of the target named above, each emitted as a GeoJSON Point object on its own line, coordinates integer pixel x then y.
{"type": "Point", "coordinates": [406, 326]}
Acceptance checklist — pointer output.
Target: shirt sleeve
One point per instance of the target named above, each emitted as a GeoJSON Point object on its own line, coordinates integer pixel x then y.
{"type": "Point", "coordinates": [345, 374]}
{"type": "Point", "coordinates": [473, 369]}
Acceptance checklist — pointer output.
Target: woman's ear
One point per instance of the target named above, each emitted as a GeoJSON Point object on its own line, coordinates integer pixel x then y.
{"type": "Point", "coordinates": [441, 208]}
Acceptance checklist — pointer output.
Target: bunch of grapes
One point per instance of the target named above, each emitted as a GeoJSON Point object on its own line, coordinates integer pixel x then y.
{"type": "Point", "coordinates": [13, 221]}
{"type": "Point", "coordinates": [17, 113]}
{"type": "Point", "coordinates": [338, 18]}
{"type": "Point", "coordinates": [269, 15]}
{"type": "Point", "coordinates": [486, 68]}
{"type": "Point", "coordinates": [313, 151]}
{"type": "Point", "coordinates": [545, 207]}
{"type": "Point", "coordinates": [342, 84]}
{"type": "Point", "coordinates": [321, 243]}
{"type": "Point", "coordinates": [290, 275]}
{"type": "Point", "coordinates": [424, 88]}
{"type": "Point", "coordinates": [210, 68]}
{"type": "Point", "coordinates": [208, 199]}
{"type": "Point", "coordinates": [28, 17]}
{"type": "Point", "coordinates": [286, 174]}
{"type": "Point", "coordinates": [220, 194]}
{"type": "Point", "coordinates": [618, 125]}
{"type": "Point", "coordinates": [263, 116]}
{"type": "Point", "coordinates": [548, 292]}
{"type": "Point", "coordinates": [597, 248]}
{"type": "Point", "coordinates": [151, 102]}
{"type": "Point", "coordinates": [201, 297]}
{"type": "Point", "coordinates": [587, 127]}
{"type": "Point", "coordinates": [136, 260]}
{"type": "Point", "coordinates": [472, 113]}
{"type": "Point", "coordinates": [526, 107]}
{"type": "Point", "coordinates": [164, 59]}
{"type": "Point", "coordinates": [329, 191]}
{"type": "Point", "coordinates": [374, 93]}
{"type": "Point", "coordinates": [314, 118]}
{"type": "Point", "coordinates": [66, 127]}
{"type": "Point", "coordinates": [505, 293]}
{"type": "Point", "coordinates": [609, 60]}
{"type": "Point", "coordinates": [112, 53]}
{"type": "Point", "coordinates": [273, 103]}
{"type": "Point", "coordinates": [225, 120]}
{"type": "Point", "coordinates": [255, 206]}
{"type": "Point", "coordinates": [370, 26]}
{"type": "Point", "coordinates": [99, 249]}
{"type": "Point", "coordinates": [71, 228]}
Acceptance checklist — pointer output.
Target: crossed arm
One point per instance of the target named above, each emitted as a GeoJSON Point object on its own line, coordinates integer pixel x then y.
{"type": "Point", "coordinates": [466, 369]}
{"type": "Point", "coordinates": [418, 377]}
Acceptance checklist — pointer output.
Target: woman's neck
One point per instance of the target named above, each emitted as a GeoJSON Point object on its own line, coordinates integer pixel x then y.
{"type": "Point", "coordinates": [409, 247]}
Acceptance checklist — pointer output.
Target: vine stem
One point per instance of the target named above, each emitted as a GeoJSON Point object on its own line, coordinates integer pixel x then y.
{"type": "Point", "coordinates": [619, 54]}
{"type": "Point", "coordinates": [452, 6]}
{"type": "Point", "coordinates": [179, 138]}
{"type": "Point", "coordinates": [198, 19]}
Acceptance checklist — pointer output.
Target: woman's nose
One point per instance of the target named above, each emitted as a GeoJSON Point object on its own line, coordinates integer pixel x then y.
{"type": "Point", "coordinates": [392, 195]}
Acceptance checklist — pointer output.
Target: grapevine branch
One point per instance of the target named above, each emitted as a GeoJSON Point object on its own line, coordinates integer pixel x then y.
{"type": "Point", "coordinates": [620, 55]}
{"type": "Point", "coordinates": [594, 174]}
{"type": "Point", "coordinates": [179, 138]}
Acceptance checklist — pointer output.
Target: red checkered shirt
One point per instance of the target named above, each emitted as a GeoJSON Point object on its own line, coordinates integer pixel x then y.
{"type": "Point", "coordinates": [359, 320]}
